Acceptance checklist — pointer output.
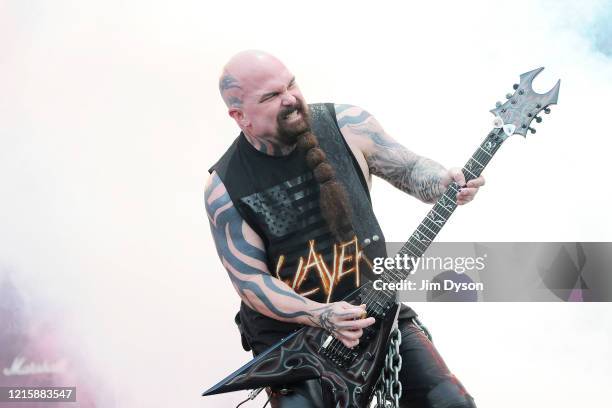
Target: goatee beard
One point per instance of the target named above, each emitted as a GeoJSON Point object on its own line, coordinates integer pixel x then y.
{"type": "Point", "coordinates": [288, 133]}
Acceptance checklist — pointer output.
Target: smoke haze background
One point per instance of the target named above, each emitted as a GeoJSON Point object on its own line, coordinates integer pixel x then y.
{"type": "Point", "coordinates": [110, 117]}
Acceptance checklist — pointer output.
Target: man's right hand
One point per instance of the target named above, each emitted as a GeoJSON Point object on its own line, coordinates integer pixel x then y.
{"type": "Point", "coordinates": [343, 320]}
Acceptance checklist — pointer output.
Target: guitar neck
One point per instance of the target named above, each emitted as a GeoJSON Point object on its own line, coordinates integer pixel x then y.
{"type": "Point", "coordinates": [435, 219]}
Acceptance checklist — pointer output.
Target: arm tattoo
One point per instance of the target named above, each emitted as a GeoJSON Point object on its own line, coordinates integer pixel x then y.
{"type": "Point", "coordinates": [409, 172]}
{"type": "Point", "coordinates": [244, 262]}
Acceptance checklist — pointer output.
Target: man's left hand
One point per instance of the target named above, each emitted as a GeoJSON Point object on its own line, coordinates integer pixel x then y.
{"type": "Point", "coordinates": [467, 192]}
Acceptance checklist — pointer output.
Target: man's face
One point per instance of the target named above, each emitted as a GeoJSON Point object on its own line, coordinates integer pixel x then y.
{"type": "Point", "coordinates": [274, 106]}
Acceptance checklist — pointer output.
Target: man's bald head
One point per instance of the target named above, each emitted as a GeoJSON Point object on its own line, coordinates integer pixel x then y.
{"type": "Point", "coordinates": [245, 72]}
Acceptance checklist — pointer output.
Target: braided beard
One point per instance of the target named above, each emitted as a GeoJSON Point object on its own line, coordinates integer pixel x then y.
{"type": "Point", "coordinates": [333, 198]}
{"type": "Point", "coordinates": [294, 126]}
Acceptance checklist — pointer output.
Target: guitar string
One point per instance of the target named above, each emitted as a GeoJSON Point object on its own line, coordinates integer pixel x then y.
{"type": "Point", "coordinates": [482, 161]}
{"type": "Point", "coordinates": [338, 346]}
{"type": "Point", "coordinates": [374, 295]}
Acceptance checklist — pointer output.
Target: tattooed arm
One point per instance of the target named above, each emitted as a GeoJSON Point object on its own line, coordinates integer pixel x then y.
{"type": "Point", "coordinates": [243, 255]}
{"type": "Point", "coordinates": [416, 175]}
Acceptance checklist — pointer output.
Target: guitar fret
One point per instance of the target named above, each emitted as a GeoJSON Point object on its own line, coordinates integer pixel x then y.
{"type": "Point", "coordinates": [413, 255]}
{"type": "Point", "coordinates": [419, 242]}
{"type": "Point", "coordinates": [478, 162]}
{"type": "Point", "coordinates": [451, 205]}
{"type": "Point", "coordinates": [432, 226]}
{"type": "Point", "coordinates": [444, 208]}
{"type": "Point", "coordinates": [475, 176]}
{"type": "Point", "coordinates": [435, 223]}
{"type": "Point", "coordinates": [438, 215]}
{"type": "Point", "coordinates": [406, 248]}
{"type": "Point", "coordinates": [474, 167]}
{"type": "Point", "coordinates": [430, 238]}
{"type": "Point", "coordinates": [452, 200]}
{"type": "Point", "coordinates": [487, 153]}
{"type": "Point", "coordinates": [416, 241]}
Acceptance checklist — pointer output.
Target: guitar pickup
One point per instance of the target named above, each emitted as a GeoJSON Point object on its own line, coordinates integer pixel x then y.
{"type": "Point", "coordinates": [326, 342]}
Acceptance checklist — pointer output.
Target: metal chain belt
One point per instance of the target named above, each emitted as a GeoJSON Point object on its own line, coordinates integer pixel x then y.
{"type": "Point", "coordinates": [389, 387]}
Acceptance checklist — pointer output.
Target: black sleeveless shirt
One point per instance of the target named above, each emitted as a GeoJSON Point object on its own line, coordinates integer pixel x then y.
{"type": "Point", "coordinates": [279, 198]}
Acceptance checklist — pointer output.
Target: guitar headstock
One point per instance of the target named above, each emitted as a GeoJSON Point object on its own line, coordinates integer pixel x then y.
{"type": "Point", "coordinates": [523, 106]}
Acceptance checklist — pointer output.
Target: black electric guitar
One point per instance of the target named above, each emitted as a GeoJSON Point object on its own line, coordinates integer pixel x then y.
{"type": "Point", "coordinates": [349, 376]}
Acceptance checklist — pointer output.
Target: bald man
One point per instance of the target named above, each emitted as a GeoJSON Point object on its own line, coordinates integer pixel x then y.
{"type": "Point", "coordinates": [290, 196]}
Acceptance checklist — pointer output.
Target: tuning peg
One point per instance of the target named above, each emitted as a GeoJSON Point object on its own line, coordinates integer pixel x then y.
{"type": "Point", "coordinates": [515, 86]}
{"type": "Point", "coordinates": [532, 130]}
{"type": "Point", "coordinates": [538, 119]}
{"type": "Point", "coordinates": [508, 95]}
{"type": "Point", "coordinates": [547, 111]}
{"type": "Point", "coordinates": [498, 104]}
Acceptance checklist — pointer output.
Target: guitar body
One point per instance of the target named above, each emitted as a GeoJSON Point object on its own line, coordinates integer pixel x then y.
{"type": "Point", "coordinates": [303, 355]}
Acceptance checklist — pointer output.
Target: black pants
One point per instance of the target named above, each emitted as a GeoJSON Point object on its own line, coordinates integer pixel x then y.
{"type": "Point", "coordinates": [426, 381]}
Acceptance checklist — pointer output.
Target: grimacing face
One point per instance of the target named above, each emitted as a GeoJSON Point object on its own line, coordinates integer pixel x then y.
{"type": "Point", "coordinates": [273, 107]}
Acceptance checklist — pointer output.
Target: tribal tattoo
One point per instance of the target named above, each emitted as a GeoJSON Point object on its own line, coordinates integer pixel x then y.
{"type": "Point", "coordinates": [416, 175]}
{"type": "Point", "coordinates": [243, 255]}
{"type": "Point", "coordinates": [230, 90]}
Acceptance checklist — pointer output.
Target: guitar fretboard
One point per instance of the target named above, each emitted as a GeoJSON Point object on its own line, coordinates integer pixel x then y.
{"type": "Point", "coordinates": [441, 211]}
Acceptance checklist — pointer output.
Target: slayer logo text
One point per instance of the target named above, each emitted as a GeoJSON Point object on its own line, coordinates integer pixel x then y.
{"type": "Point", "coordinates": [346, 261]}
